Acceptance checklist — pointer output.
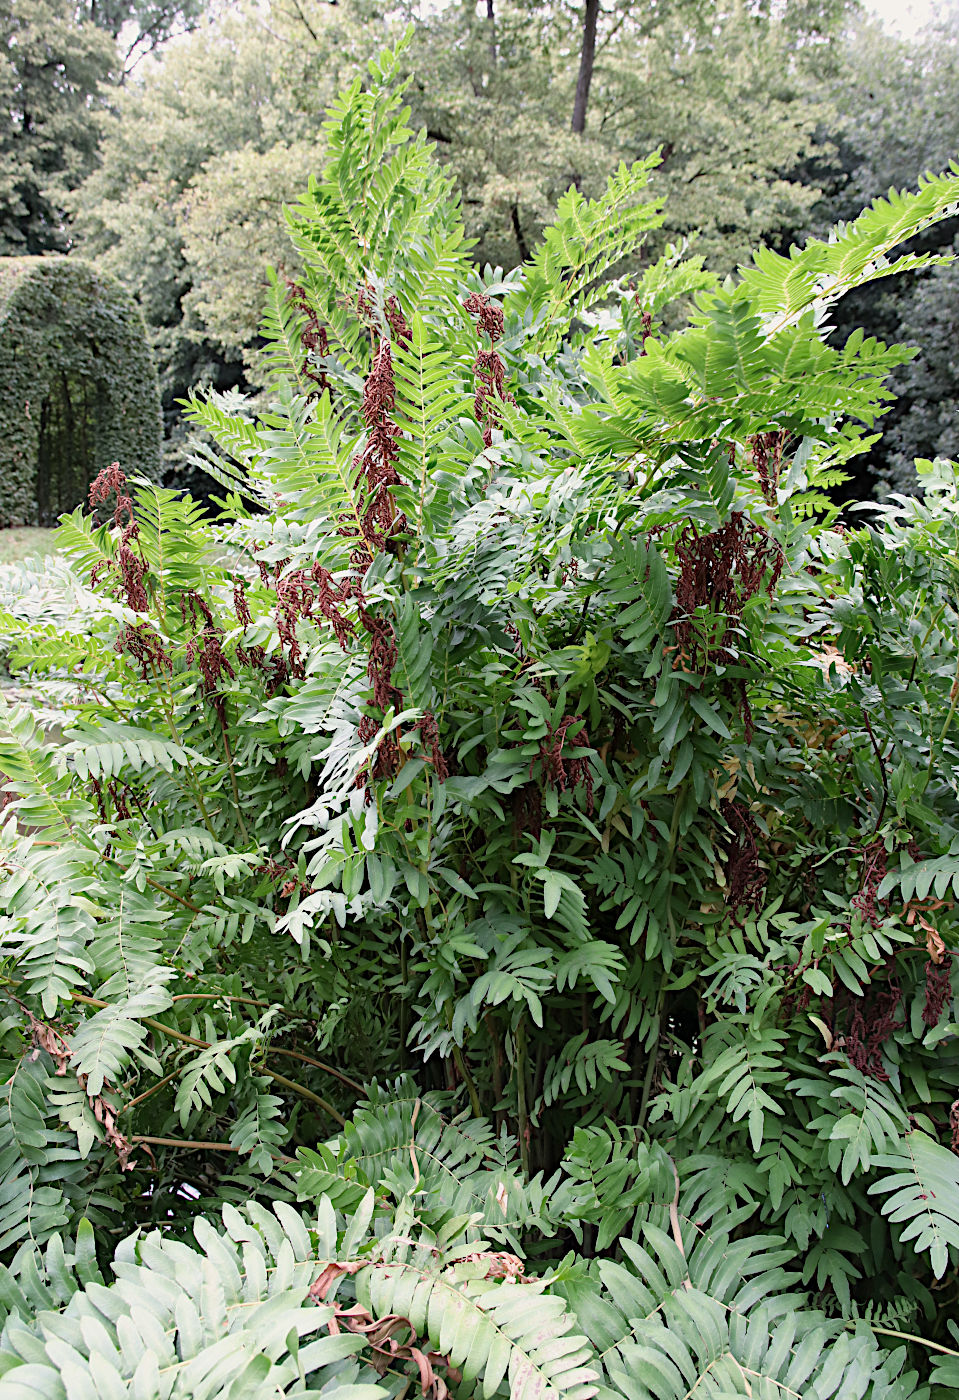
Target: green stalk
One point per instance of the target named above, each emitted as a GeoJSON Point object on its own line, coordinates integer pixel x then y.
{"type": "Point", "coordinates": [953, 702]}
{"type": "Point", "coordinates": [650, 1069]}
{"type": "Point", "coordinates": [233, 783]}
{"type": "Point", "coordinates": [911, 1337]}
{"type": "Point", "coordinates": [460, 1062]}
{"type": "Point", "coordinates": [404, 1005]}
{"type": "Point", "coordinates": [497, 1067]}
{"type": "Point", "coordinates": [522, 1109]}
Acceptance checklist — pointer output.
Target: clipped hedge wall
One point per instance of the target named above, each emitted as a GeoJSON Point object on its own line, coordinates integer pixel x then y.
{"type": "Point", "coordinates": [78, 386]}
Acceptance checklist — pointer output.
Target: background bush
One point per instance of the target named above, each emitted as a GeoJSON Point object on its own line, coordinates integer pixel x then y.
{"type": "Point", "coordinates": [78, 386]}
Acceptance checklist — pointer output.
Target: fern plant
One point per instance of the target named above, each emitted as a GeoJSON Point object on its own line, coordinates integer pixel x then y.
{"type": "Point", "coordinates": [358, 1304]}
{"type": "Point", "coordinates": [529, 753]}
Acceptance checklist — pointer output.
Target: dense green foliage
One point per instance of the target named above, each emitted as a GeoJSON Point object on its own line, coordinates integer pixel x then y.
{"type": "Point", "coordinates": [78, 386]}
{"type": "Point", "coordinates": [538, 762]}
{"type": "Point", "coordinates": [899, 105]}
{"type": "Point", "coordinates": [52, 73]}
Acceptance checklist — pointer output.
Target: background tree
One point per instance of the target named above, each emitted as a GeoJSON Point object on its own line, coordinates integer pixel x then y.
{"type": "Point", "coordinates": [141, 26]}
{"type": "Point", "coordinates": [53, 69]}
{"type": "Point", "coordinates": [203, 146]}
{"type": "Point", "coordinates": [196, 159]}
{"type": "Point", "coordinates": [898, 111]}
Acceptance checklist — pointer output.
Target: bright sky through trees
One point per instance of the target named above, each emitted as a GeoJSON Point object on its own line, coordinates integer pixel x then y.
{"type": "Point", "coordinates": [907, 16]}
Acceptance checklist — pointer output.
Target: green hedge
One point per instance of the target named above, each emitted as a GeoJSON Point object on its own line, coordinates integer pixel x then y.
{"type": "Point", "coordinates": [78, 387]}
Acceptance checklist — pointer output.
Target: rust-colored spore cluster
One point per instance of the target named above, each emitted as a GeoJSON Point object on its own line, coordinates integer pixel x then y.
{"type": "Point", "coordinates": [122, 796]}
{"type": "Point", "coordinates": [129, 568]}
{"type": "Point", "coordinates": [379, 669]}
{"type": "Point", "coordinates": [382, 659]}
{"type": "Point", "coordinates": [745, 877]}
{"type": "Point", "coordinates": [313, 337]}
{"type": "Point", "coordinates": [241, 604]}
{"type": "Point", "coordinates": [767, 451]}
{"type": "Point", "coordinates": [938, 989]}
{"type": "Point", "coordinates": [397, 322]}
{"type": "Point", "coordinates": [488, 366]}
{"type": "Point", "coordinates": [866, 900]}
{"type": "Point", "coordinates": [560, 769]}
{"type": "Point", "coordinates": [380, 521]}
{"type": "Point", "coordinates": [873, 1022]}
{"type": "Point", "coordinates": [144, 647]}
{"type": "Point", "coordinates": [645, 320]}
{"type": "Point", "coordinates": [205, 648]}
{"type": "Point", "coordinates": [720, 572]}
{"type": "Point", "coordinates": [430, 734]}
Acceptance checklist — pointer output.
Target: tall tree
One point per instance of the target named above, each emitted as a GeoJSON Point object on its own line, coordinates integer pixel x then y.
{"type": "Point", "coordinates": [53, 68]}
{"type": "Point", "coordinates": [200, 150]}
{"type": "Point", "coordinates": [899, 106]}
{"type": "Point", "coordinates": [587, 58]}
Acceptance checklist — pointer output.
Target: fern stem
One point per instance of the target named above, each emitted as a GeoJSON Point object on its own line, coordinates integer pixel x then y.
{"type": "Point", "coordinates": [154, 884]}
{"type": "Point", "coordinates": [185, 1143]}
{"type": "Point", "coordinates": [404, 1004]}
{"type": "Point", "coordinates": [231, 768]}
{"type": "Point", "coordinates": [674, 825]}
{"type": "Point", "coordinates": [307, 1094]}
{"type": "Point", "coordinates": [146, 1021]}
{"type": "Point", "coordinates": [205, 1045]}
{"type": "Point", "coordinates": [162, 889]}
{"type": "Point", "coordinates": [522, 1108]}
{"type": "Point", "coordinates": [953, 702]}
{"type": "Point", "coordinates": [468, 1080]}
{"type": "Point", "coordinates": [219, 996]}
{"type": "Point", "coordinates": [650, 1071]}
{"type": "Point", "coordinates": [273, 1049]}
{"type": "Point", "coordinates": [153, 1089]}
{"type": "Point", "coordinates": [497, 1068]}
{"type": "Point", "coordinates": [317, 1064]}
{"type": "Point", "coordinates": [911, 1337]}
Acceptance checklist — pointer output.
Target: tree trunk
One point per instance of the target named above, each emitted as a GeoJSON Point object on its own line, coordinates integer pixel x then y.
{"type": "Point", "coordinates": [586, 60]}
{"type": "Point", "coordinates": [491, 21]}
{"type": "Point", "coordinates": [518, 233]}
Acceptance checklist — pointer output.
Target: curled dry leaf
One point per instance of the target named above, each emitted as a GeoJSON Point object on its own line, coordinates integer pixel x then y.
{"type": "Point", "coordinates": [381, 1335]}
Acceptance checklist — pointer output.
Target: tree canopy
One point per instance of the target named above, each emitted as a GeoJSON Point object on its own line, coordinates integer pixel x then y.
{"type": "Point", "coordinates": [52, 75]}
{"type": "Point", "coordinates": [201, 153]}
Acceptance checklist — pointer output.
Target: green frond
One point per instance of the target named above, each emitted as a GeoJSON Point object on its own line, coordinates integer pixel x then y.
{"type": "Point", "coordinates": [509, 1335]}
{"type": "Point", "coordinates": [281, 328]}
{"type": "Point", "coordinates": [639, 590]}
{"type": "Point", "coordinates": [44, 793]}
{"type": "Point", "coordinates": [823, 271]}
{"type": "Point", "coordinates": [230, 1316]}
{"type": "Point", "coordinates": [589, 238]}
{"type": "Point", "coordinates": [430, 394]}
{"type": "Point", "coordinates": [45, 1182]}
{"type": "Point", "coordinates": [105, 749]}
{"type": "Point", "coordinates": [921, 1189]}
{"type": "Point", "coordinates": [718, 1317]}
